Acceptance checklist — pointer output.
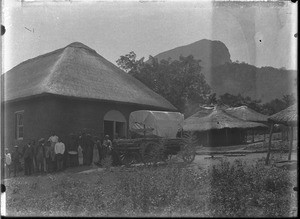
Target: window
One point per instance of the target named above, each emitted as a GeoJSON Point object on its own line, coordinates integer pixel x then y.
{"type": "Point", "coordinates": [19, 126]}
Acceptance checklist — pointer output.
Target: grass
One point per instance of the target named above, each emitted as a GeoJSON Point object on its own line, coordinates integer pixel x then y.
{"type": "Point", "coordinates": [226, 189]}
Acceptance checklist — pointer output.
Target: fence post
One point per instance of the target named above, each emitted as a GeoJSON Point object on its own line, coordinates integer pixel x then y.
{"type": "Point", "coordinates": [270, 142]}
{"type": "Point", "coordinates": [291, 143]}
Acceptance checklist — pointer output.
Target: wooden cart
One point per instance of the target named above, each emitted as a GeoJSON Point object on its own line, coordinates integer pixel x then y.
{"type": "Point", "coordinates": [153, 150]}
{"type": "Point", "coordinates": [157, 141]}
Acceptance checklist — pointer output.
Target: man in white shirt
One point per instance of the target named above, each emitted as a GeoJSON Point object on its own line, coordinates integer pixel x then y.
{"type": "Point", "coordinates": [59, 151]}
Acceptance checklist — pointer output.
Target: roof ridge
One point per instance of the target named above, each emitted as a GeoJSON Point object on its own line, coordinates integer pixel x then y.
{"type": "Point", "coordinates": [80, 45]}
{"type": "Point", "coordinates": [47, 80]}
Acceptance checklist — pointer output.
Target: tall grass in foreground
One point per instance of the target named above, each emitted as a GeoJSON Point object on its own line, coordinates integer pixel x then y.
{"type": "Point", "coordinates": [174, 190]}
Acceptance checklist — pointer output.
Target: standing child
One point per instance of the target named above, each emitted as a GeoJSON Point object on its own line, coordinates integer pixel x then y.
{"type": "Point", "coordinates": [7, 161]}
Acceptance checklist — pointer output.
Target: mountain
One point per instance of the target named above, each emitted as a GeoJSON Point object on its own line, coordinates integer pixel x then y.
{"type": "Point", "coordinates": [265, 83]}
{"type": "Point", "coordinates": [210, 52]}
{"type": "Point", "coordinates": [225, 76]}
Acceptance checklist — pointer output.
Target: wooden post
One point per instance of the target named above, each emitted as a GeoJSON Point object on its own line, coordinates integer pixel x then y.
{"type": "Point", "coordinates": [270, 142]}
{"type": "Point", "coordinates": [144, 130]}
{"type": "Point", "coordinates": [241, 137]}
{"type": "Point", "coordinates": [207, 138]}
{"type": "Point", "coordinates": [291, 143]}
{"type": "Point", "coordinates": [226, 132]}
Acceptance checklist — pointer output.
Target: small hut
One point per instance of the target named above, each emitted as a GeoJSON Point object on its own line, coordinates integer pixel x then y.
{"type": "Point", "coordinates": [287, 117]}
{"type": "Point", "coordinates": [247, 114]}
{"type": "Point", "coordinates": [218, 128]}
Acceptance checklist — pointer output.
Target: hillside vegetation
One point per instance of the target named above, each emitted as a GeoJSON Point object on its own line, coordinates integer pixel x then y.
{"type": "Point", "coordinates": [225, 76]}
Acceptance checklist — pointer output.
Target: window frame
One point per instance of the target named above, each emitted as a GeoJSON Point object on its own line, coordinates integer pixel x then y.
{"type": "Point", "coordinates": [17, 126]}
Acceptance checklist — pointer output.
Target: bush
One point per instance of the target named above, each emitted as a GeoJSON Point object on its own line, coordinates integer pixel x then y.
{"type": "Point", "coordinates": [238, 188]}
{"type": "Point", "coordinates": [225, 190]}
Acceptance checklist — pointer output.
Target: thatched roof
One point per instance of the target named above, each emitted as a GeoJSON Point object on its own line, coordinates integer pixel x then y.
{"type": "Point", "coordinates": [287, 116]}
{"type": "Point", "coordinates": [217, 119]}
{"type": "Point", "coordinates": [203, 111]}
{"type": "Point", "coordinates": [247, 114]}
{"type": "Point", "coordinates": [78, 71]}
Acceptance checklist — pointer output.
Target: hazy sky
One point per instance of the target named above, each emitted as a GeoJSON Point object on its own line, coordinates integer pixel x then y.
{"type": "Point", "coordinates": [262, 36]}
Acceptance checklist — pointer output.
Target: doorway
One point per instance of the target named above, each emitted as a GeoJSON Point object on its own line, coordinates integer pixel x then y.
{"type": "Point", "coordinates": [115, 125]}
{"type": "Point", "coordinates": [109, 128]}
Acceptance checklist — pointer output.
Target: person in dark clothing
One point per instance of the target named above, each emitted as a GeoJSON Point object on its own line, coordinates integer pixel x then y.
{"type": "Point", "coordinates": [100, 150]}
{"type": "Point", "coordinates": [34, 150]}
{"type": "Point", "coordinates": [48, 158]}
{"type": "Point", "coordinates": [40, 154]}
{"type": "Point", "coordinates": [89, 149]}
{"type": "Point", "coordinates": [83, 145]}
{"type": "Point", "coordinates": [15, 158]}
{"type": "Point", "coordinates": [73, 150]}
{"type": "Point", "coordinates": [28, 159]}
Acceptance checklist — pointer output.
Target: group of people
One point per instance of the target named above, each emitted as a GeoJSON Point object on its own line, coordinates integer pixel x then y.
{"type": "Point", "coordinates": [54, 155]}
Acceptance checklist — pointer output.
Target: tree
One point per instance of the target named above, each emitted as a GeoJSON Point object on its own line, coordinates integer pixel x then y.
{"type": "Point", "coordinates": [129, 63]}
{"type": "Point", "coordinates": [179, 81]}
{"type": "Point", "coordinates": [231, 100]}
{"type": "Point", "coordinates": [289, 99]}
{"type": "Point", "coordinates": [277, 105]}
{"type": "Point", "coordinates": [239, 100]}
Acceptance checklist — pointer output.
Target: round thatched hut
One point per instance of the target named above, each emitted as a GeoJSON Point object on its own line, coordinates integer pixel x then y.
{"type": "Point", "coordinates": [247, 114]}
{"type": "Point", "coordinates": [218, 128]}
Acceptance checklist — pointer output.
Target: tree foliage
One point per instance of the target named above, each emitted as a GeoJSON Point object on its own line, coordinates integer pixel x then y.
{"type": "Point", "coordinates": [179, 81]}
{"type": "Point", "coordinates": [277, 105]}
{"type": "Point", "coordinates": [268, 108]}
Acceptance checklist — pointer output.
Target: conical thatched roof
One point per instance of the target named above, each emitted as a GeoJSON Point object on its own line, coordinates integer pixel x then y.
{"type": "Point", "coordinates": [247, 114]}
{"type": "Point", "coordinates": [78, 71]}
{"type": "Point", "coordinates": [217, 119]}
{"type": "Point", "coordinates": [287, 116]}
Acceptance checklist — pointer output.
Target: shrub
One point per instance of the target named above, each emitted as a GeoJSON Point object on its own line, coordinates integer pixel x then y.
{"type": "Point", "coordinates": [225, 190]}
{"type": "Point", "coordinates": [237, 188]}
